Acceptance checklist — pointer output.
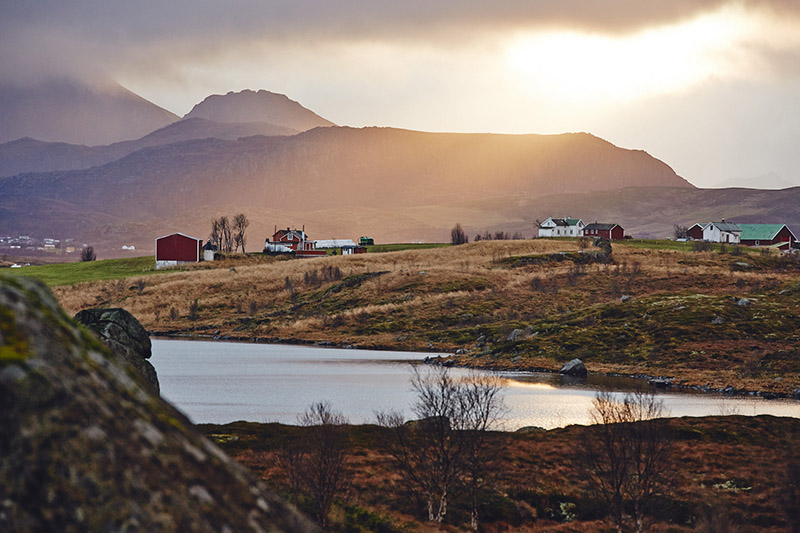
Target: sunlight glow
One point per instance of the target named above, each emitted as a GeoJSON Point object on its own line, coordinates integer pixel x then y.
{"type": "Point", "coordinates": [658, 61]}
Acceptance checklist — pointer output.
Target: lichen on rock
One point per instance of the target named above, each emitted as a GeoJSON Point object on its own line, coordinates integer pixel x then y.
{"type": "Point", "coordinates": [87, 446]}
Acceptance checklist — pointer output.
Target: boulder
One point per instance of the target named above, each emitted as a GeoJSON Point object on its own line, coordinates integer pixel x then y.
{"type": "Point", "coordinates": [515, 335]}
{"type": "Point", "coordinates": [87, 446]}
{"type": "Point", "coordinates": [126, 337]}
{"type": "Point", "coordinates": [574, 368]}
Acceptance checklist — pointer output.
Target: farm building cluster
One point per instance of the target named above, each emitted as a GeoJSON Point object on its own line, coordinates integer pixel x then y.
{"type": "Point", "coordinates": [178, 248]}
{"type": "Point", "coordinates": [768, 235]}
{"type": "Point", "coordinates": [777, 236]}
{"type": "Point", "coordinates": [575, 227]}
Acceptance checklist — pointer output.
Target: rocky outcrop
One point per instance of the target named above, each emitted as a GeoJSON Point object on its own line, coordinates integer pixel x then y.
{"type": "Point", "coordinates": [574, 368]}
{"type": "Point", "coordinates": [125, 335]}
{"type": "Point", "coordinates": [86, 446]}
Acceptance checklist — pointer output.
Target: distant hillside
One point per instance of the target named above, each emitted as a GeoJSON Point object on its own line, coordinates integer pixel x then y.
{"type": "Point", "coordinates": [260, 106]}
{"type": "Point", "coordinates": [767, 181]}
{"type": "Point", "coordinates": [71, 112]}
{"type": "Point", "coordinates": [398, 183]}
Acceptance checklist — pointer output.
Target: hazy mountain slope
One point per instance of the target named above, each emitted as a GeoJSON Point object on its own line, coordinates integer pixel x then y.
{"type": "Point", "coordinates": [643, 212]}
{"type": "Point", "coordinates": [423, 179]}
{"type": "Point", "coordinates": [68, 111]}
{"type": "Point", "coordinates": [257, 106]}
{"type": "Point", "coordinates": [30, 155]}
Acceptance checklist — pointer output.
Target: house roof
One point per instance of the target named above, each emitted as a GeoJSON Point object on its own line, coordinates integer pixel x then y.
{"type": "Point", "coordinates": [177, 233]}
{"type": "Point", "coordinates": [335, 243]}
{"type": "Point", "coordinates": [564, 221]}
{"type": "Point", "coordinates": [600, 226]}
{"type": "Point", "coordinates": [699, 225]}
{"type": "Point", "coordinates": [725, 226]}
{"type": "Point", "coordinates": [761, 232]}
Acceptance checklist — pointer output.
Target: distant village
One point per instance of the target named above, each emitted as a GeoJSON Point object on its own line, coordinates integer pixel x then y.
{"type": "Point", "coordinates": [179, 248]}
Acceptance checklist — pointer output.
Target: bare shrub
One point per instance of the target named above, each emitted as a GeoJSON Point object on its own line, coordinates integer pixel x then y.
{"type": "Point", "coordinates": [87, 254]}
{"type": "Point", "coordinates": [627, 455]}
{"type": "Point", "coordinates": [140, 284]}
{"type": "Point", "coordinates": [446, 447]}
{"type": "Point", "coordinates": [457, 235]}
{"type": "Point", "coordinates": [324, 467]}
{"type": "Point", "coordinates": [193, 308]}
{"type": "Point", "coordinates": [173, 313]}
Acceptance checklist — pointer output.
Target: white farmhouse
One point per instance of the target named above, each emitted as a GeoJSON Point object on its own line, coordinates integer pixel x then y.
{"type": "Point", "coordinates": [722, 232]}
{"type": "Point", "coordinates": [561, 227]}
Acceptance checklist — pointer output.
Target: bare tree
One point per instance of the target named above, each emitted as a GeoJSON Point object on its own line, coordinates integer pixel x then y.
{"type": "Point", "coordinates": [482, 406]}
{"type": "Point", "coordinates": [216, 235]}
{"type": "Point", "coordinates": [87, 254]}
{"type": "Point", "coordinates": [680, 232]}
{"type": "Point", "coordinates": [240, 224]}
{"type": "Point", "coordinates": [226, 238]}
{"type": "Point", "coordinates": [325, 473]}
{"type": "Point", "coordinates": [457, 235]}
{"type": "Point", "coordinates": [626, 456]}
{"type": "Point", "coordinates": [446, 445]}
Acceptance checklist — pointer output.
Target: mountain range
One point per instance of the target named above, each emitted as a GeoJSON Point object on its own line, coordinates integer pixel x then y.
{"type": "Point", "coordinates": [267, 156]}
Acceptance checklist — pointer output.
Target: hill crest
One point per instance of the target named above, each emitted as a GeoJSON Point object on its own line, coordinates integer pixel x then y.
{"type": "Point", "coordinates": [257, 106]}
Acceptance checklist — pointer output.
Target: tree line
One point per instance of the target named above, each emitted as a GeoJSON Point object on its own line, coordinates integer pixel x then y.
{"type": "Point", "coordinates": [229, 235]}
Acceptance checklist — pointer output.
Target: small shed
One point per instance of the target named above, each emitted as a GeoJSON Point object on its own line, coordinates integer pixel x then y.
{"type": "Point", "coordinates": [209, 249]}
{"type": "Point", "coordinates": [177, 248]}
{"type": "Point", "coordinates": [605, 231]}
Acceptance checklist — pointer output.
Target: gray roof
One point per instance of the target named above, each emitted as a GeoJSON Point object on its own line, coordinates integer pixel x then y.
{"type": "Point", "coordinates": [600, 226]}
{"type": "Point", "coordinates": [727, 226]}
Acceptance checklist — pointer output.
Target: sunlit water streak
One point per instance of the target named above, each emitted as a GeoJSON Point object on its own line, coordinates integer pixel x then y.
{"type": "Point", "coordinates": [220, 382]}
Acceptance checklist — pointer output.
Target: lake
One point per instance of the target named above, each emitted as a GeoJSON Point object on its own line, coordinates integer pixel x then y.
{"type": "Point", "coordinates": [221, 382]}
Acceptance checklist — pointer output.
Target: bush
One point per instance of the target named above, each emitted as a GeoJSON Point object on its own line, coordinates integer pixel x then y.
{"type": "Point", "coordinates": [87, 254]}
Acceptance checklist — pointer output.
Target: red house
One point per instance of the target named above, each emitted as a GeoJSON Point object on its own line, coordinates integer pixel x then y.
{"type": "Point", "coordinates": [177, 248]}
{"type": "Point", "coordinates": [293, 240]}
{"type": "Point", "coordinates": [605, 231]}
{"type": "Point", "coordinates": [696, 232]}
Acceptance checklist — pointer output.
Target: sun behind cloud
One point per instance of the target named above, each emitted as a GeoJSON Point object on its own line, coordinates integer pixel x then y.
{"type": "Point", "coordinates": [569, 65]}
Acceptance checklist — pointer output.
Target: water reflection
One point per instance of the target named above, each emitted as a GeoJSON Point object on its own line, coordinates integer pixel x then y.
{"type": "Point", "coordinates": [221, 382]}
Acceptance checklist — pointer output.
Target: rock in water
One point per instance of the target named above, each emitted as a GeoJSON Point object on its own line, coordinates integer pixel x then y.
{"type": "Point", "coordinates": [86, 446]}
{"type": "Point", "coordinates": [574, 368]}
{"type": "Point", "coordinates": [125, 335]}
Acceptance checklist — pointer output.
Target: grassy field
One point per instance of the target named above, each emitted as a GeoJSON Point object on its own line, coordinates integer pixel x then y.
{"type": "Point", "coordinates": [87, 271]}
{"type": "Point", "coordinates": [649, 309]}
{"type": "Point", "coordinates": [398, 247]}
{"type": "Point", "coordinates": [727, 473]}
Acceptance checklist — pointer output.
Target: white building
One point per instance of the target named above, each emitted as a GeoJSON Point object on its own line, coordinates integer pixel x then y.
{"type": "Point", "coordinates": [722, 232]}
{"type": "Point", "coordinates": [561, 227]}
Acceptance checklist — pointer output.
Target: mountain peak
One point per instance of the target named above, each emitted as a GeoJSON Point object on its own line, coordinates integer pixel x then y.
{"type": "Point", "coordinates": [257, 106]}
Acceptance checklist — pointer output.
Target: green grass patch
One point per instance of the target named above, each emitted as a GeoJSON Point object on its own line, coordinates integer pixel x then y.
{"type": "Point", "coordinates": [397, 247]}
{"type": "Point", "coordinates": [71, 273]}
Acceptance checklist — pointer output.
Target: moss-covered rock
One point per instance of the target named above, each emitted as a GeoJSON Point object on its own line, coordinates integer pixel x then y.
{"type": "Point", "coordinates": [125, 335]}
{"type": "Point", "coordinates": [86, 446]}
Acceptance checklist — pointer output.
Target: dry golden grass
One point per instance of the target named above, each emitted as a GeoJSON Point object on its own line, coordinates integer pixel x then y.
{"type": "Point", "coordinates": [445, 298]}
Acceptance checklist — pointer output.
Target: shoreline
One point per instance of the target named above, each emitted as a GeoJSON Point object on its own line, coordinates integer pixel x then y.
{"type": "Point", "coordinates": [663, 383]}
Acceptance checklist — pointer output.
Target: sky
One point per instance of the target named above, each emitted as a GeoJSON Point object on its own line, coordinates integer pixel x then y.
{"type": "Point", "coordinates": [711, 87]}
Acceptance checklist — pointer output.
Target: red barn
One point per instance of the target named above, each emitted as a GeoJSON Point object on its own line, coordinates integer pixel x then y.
{"type": "Point", "coordinates": [177, 248]}
{"type": "Point", "coordinates": [696, 232]}
{"type": "Point", "coordinates": [767, 235]}
{"type": "Point", "coordinates": [605, 231]}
